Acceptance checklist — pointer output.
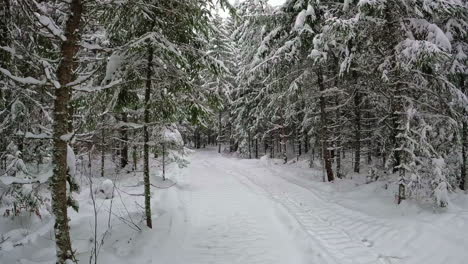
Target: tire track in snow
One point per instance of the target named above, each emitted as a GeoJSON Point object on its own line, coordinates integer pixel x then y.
{"type": "Point", "coordinates": [343, 235]}
{"type": "Point", "coordinates": [341, 247]}
{"type": "Point", "coordinates": [360, 226]}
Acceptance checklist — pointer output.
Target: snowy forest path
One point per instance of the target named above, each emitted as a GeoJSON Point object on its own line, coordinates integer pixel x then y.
{"type": "Point", "coordinates": [325, 241]}
{"type": "Point", "coordinates": [254, 211]}
{"type": "Point", "coordinates": [224, 221]}
{"type": "Point", "coordinates": [241, 211]}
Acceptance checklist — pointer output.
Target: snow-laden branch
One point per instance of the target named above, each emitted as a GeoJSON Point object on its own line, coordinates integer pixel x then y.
{"type": "Point", "coordinates": [23, 80]}
{"type": "Point", "coordinates": [8, 180]}
{"type": "Point", "coordinates": [50, 25]}
{"type": "Point", "coordinates": [90, 46]}
{"type": "Point", "coordinates": [38, 136]}
{"type": "Point", "coordinates": [98, 88]}
{"type": "Point", "coordinates": [83, 79]}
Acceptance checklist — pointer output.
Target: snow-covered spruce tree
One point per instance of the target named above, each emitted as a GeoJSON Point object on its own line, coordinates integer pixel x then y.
{"type": "Point", "coordinates": [219, 79]}
{"type": "Point", "coordinates": [168, 48]}
{"type": "Point", "coordinates": [5, 58]}
{"type": "Point", "coordinates": [412, 64]}
{"type": "Point", "coordinates": [19, 192]}
{"type": "Point", "coordinates": [341, 41]}
{"type": "Point", "coordinates": [245, 95]}
{"type": "Point", "coordinates": [298, 23]}
{"type": "Point", "coordinates": [25, 108]}
{"type": "Point", "coordinates": [456, 29]}
{"type": "Point", "coordinates": [355, 45]}
{"type": "Point", "coordinates": [49, 45]}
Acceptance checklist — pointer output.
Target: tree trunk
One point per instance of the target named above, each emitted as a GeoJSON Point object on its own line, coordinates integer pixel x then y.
{"type": "Point", "coordinates": [399, 144]}
{"type": "Point", "coordinates": [306, 142]}
{"type": "Point", "coordinates": [103, 153]}
{"type": "Point", "coordinates": [357, 131]}
{"type": "Point", "coordinates": [284, 141]}
{"type": "Point", "coordinates": [464, 140]}
{"type": "Point", "coordinates": [337, 132]}
{"type": "Point", "coordinates": [219, 132]}
{"type": "Point", "coordinates": [464, 167]}
{"type": "Point", "coordinates": [278, 147]}
{"type": "Point", "coordinates": [250, 145]}
{"type": "Point", "coordinates": [256, 147]}
{"type": "Point", "coordinates": [197, 138]}
{"type": "Point", "coordinates": [149, 221]}
{"type": "Point", "coordinates": [65, 75]}
{"type": "Point", "coordinates": [272, 147]}
{"type": "Point", "coordinates": [5, 57]}
{"type": "Point", "coordinates": [163, 161]}
{"type": "Point", "coordinates": [299, 141]}
{"type": "Point", "coordinates": [135, 158]}
{"type": "Point", "coordinates": [231, 141]}
{"type": "Point", "coordinates": [5, 15]}
{"type": "Point", "coordinates": [124, 142]}
{"type": "Point", "coordinates": [323, 128]}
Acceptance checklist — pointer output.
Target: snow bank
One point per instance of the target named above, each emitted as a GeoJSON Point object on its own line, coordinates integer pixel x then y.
{"type": "Point", "coordinates": [105, 190]}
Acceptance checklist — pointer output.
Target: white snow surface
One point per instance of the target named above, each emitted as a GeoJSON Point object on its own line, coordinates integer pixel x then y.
{"type": "Point", "coordinates": [113, 64]}
{"type": "Point", "coordinates": [228, 210]}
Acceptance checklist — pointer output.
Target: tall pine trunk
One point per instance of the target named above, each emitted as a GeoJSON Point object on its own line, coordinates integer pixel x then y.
{"type": "Point", "coordinates": [299, 142]}
{"type": "Point", "coordinates": [164, 161]}
{"type": "Point", "coordinates": [399, 123]}
{"type": "Point", "coordinates": [5, 15]}
{"type": "Point", "coordinates": [219, 132]}
{"type": "Point", "coordinates": [103, 152]}
{"type": "Point", "coordinates": [338, 137]}
{"type": "Point", "coordinates": [146, 171]}
{"type": "Point", "coordinates": [62, 121]}
{"type": "Point", "coordinates": [250, 145]}
{"type": "Point", "coordinates": [272, 146]}
{"type": "Point", "coordinates": [5, 58]}
{"type": "Point", "coordinates": [464, 141]}
{"type": "Point", "coordinates": [306, 142]}
{"type": "Point", "coordinates": [323, 128]}
{"type": "Point", "coordinates": [464, 167]}
{"type": "Point", "coordinates": [256, 147]}
{"type": "Point", "coordinates": [357, 131]}
{"type": "Point", "coordinates": [124, 142]}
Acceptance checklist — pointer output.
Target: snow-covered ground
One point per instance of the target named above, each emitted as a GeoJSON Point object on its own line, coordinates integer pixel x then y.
{"type": "Point", "coordinates": [228, 210]}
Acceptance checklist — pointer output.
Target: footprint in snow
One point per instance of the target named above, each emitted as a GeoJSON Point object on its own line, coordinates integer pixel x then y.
{"type": "Point", "coordinates": [367, 243]}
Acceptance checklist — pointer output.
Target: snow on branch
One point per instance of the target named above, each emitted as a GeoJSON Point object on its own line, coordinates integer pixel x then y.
{"type": "Point", "coordinates": [90, 46]}
{"type": "Point", "coordinates": [37, 136]}
{"type": "Point", "coordinates": [50, 25]}
{"type": "Point", "coordinates": [158, 40]}
{"type": "Point", "coordinates": [8, 180]}
{"type": "Point", "coordinates": [98, 88]}
{"type": "Point", "coordinates": [23, 80]}
{"type": "Point", "coordinates": [122, 124]}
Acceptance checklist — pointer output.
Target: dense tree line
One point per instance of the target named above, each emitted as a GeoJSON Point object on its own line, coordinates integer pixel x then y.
{"type": "Point", "coordinates": [350, 84]}
{"type": "Point", "coordinates": [384, 81]}
{"type": "Point", "coordinates": [98, 77]}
